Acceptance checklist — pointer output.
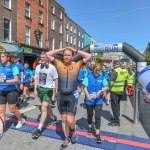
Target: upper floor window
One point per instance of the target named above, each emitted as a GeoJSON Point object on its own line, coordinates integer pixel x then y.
{"type": "Point", "coordinates": [71, 28]}
{"type": "Point", "coordinates": [40, 39]}
{"type": "Point", "coordinates": [27, 35]}
{"type": "Point", "coordinates": [82, 36]}
{"type": "Point", "coordinates": [74, 41]}
{"type": "Point", "coordinates": [40, 2]}
{"type": "Point", "coordinates": [7, 30]}
{"type": "Point", "coordinates": [61, 15]}
{"type": "Point", "coordinates": [53, 24]}
{"type": "Point", "coordinates": [79, 44]}
{"type": "Point", "coordinates": [53, 9]}
{"type": "Point", "coordinates": [40, 17]}
{"type": "Point", "coordinates": [79, 33]}
{"type": "Point", "coordinates": [60, 29]}
{"type": "Point", "coordinates": [67, 37]}
{"type": "Point", "coordinates": [70, 39]}
{"type": "Point", "coordinates": [67, 25]}
{"type": "Point", "coordinates": [74, 30]}
{"type": "Point", "coordinates": [7, 3]}
{"type": "Point", "coordinates": [82, 45]}
{"type": "Point", "coordinates": [27, 10]}
{"type": "Point", "coordinates": [60, 44]}
{"type": "Point", "coordinates": [52, 43]}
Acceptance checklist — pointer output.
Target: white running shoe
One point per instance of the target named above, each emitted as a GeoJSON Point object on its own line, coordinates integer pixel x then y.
{"type": "Point", "coordinates": [20, 123]}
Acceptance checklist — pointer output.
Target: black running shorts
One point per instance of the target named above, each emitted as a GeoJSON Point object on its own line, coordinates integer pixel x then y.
{"type": "Point", "coordinates": [9, 97]}
{"type": "Point", "coordinates": [67, 104]}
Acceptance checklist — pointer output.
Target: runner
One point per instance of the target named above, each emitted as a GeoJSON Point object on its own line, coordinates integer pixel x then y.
{"type": "Point", "coordinates": [94, 87]}
{"type": "Point", "coordinates": [67, 89]}
{"type": "Point", "coordinates": [90, 69]}
{"type": "Point", "coordinates": [26, 81]}
{"type": "Point", "coordinates": [45, 76]}
{"type": "Point", "coordinates": [8, 91]}
{"type": "Point", "coordinates": [16, 60]}
{"type": "Point", "coordinates": [105, 73]}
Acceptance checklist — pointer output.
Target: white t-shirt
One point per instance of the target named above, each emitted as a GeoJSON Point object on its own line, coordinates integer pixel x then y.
{"type": "Point", "coordinates": [46, 77]}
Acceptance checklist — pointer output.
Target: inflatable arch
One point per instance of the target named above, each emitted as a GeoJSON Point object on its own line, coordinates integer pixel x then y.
{"type": "Point", "coordinates": [127, 49]}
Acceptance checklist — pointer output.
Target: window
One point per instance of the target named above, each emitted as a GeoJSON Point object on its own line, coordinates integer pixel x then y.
{"type": "Point", "coordinates": [79, 44]}
{"type": "Point", "coordinates": [74, 41]}
{"type": "Point", "coordinates": [60, 15]}
{"type": "Point", "coordinates": [7, 30]}
{"type": "Point", "coordinates": [40, 39]}
{"type": "Point", "coordinates": [40, 2]}
{"type": "Point", "coordinates": [53, 9]}
{"type": "Point", "coordinates": [7, 3]}
{"type": "Point", "coordinates": [67, 25]}
{"type": "Point", "coordinates": [74, 30]}
{"type": "Point", "coordinates": [53, 24]}
{"type": "Point", "coordinates": [52, 42]}
{"type": "Point", "coordinates": [60, 44]}
{"type": "Point", "coordinates": [71, 28]}
{"type": "Point", "coordinates": [82, 45]}
{"type": "Point", "coordinates": [67, 37]}
{"type": "Point", "coordinates": [27, 35]}
{"type": "Point", "coordinates": [40, 17]}
{"type": "Point", "coordinates": [27, 10]}
{"type": "Point", "coordinates": [70, 39]}
{"type": "Point", "coordinates": [60, 29]}
{"type": "Point", "coordinates": [82, 36]}
{"type": "Point", "coordinates": [79, 33]}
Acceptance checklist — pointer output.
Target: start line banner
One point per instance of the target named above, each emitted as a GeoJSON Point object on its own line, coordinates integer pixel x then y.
{"type": "Point", "coordinates": [103, 48]}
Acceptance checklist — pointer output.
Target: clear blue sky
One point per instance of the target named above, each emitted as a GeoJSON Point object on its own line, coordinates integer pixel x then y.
{"type": "Point", "coordinates": [112, 21]}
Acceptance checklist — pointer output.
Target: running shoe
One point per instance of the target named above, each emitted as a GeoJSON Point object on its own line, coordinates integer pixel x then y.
{"type": "Point", "coordinates": [98, 139]}
{"type": "Point", "coordinates": [74, 137]}
{"type": "Point", "coordinates": [36, 134]}
{"type": "Point", "coordinates": [1, 135]}
{"type": "Point", "coordinates": [53, 104]}
{"type": "Point", "coordinates": [89, 130]}
{"type": "Point", "coordinates": [65, 144]}
{"type": "Point", "coordinates": [20, 123]}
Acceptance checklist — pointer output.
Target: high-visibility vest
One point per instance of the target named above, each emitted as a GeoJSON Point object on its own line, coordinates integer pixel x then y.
{"type": "Point", "coordinates": [130, 80]}
{"type": "Point", "coordinates": [119, 83]}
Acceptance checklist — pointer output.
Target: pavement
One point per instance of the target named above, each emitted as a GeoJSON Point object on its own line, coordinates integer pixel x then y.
{"type": "Point", "coordinates": [18, 140]}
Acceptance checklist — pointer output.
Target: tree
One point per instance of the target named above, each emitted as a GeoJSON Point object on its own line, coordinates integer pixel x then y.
{"type": "Point", "coordinates": [148, 58]}
{"type": "Point", "coordinates": [99, 58]}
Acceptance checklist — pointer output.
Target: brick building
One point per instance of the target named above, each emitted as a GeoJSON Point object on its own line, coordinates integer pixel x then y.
{"type": "Point", "coordinates": [32, 23]}
{"type": "Point", "coordinates": [56, 25]}
{"type": "Point", "coordinates": [8, 20]}
{"type": "Point", "coordinates": [70, 33]}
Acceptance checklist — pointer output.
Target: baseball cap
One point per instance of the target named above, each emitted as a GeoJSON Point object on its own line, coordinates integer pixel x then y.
{"type": "Point", "coordinates": [16, 55]}
{"type": "Point", "coordinates": [116, 62]}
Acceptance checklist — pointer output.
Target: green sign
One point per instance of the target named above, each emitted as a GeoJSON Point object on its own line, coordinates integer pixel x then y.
{"type": "Point", "coordinates": [26, 49]}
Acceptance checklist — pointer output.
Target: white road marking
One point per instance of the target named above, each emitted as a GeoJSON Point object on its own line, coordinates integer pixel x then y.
{"type": "Point", "coordinates": [27, 109]}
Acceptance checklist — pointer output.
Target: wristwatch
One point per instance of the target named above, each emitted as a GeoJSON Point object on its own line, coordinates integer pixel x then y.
{"type": "Point", "coordinates": [4, 81]}
{"type": "Point", "coordinates": [76, 51]}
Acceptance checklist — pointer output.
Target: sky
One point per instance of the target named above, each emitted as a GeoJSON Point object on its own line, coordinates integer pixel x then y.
{"type": "Point", "coordinates": [112, 21]}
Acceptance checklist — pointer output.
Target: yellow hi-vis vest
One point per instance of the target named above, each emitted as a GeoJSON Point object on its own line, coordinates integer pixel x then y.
{"type": "Point", "coordinates": [130, 80]}
{"type": "Point", "coordinates": [118, 85]}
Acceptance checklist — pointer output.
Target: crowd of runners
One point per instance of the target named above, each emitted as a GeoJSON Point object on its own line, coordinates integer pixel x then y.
{"type": "Point", "coordinates": [62, 82]}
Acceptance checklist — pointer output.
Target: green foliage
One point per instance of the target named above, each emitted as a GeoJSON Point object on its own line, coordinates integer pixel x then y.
{"type": "Point", "coordinates": [148, 58]}
{"type": "Point", "coordinates": [98, 59]}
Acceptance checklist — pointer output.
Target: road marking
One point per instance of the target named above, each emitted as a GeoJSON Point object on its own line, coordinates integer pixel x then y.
{"type": "Point", "coordinates": [27, 109]}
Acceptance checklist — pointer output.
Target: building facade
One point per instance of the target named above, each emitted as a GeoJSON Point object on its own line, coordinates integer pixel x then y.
{"type": "Point", "coordinates": [93, 41]}
{"type": "Point", "coordinates": [70, 33]}
{"type": "Point", "coordinates": [32, 23]}
{"type": "Point", "coordinates": [80, 37]}
{"type": "Point", "coordinates": [56, 25]}
{"type": "Point", "coordinates": [8, 20]}
{"type": "Point", "coordinates": [87, 39]}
